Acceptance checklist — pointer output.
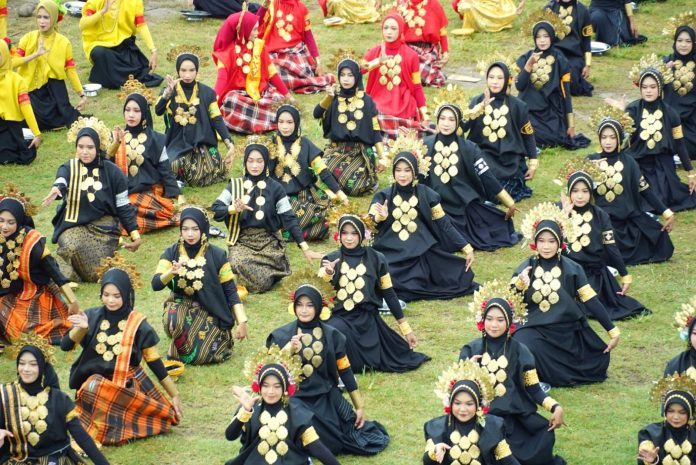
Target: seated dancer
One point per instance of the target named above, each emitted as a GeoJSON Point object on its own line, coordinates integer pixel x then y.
{"type": "Point", "coordinates": [671, 440]}
{"type": "Point", "coordinates": [44, 436]}
{"type": "Point", "coordinates": [108, 40]}
{"type": "Point", "coordinates": [193, 121]}
{"type": "Point", "coordinates": [44, 59]}
{"type": "Point", "coordinates": [595, 249]}
{"type": "Point", "coordinates": [685, 321]}
{"type": "Point", "coordinates": [658, 137]}
{"type": "Point", "coordinates": [680, 95]}
{"type": "Point", "coordinates": [512, 370]}
{"type": "Point", "coordinates": [324, 360]}
{"type": "Point", "coordinates": [458, 172]}
{"type": "Point", "coordinates": [16, 112]}
{"type": "Point", "coordinates": [349, 118]}
{"type": "Point", "coordinates": [203, 305]}
{"type": "Point", "coordinates": [295, 164]}
{"type": "Point", "coordinates": [613, 22]}
{"type": "Point", "coordinates": [269, 427]}
{"type": "Point", "coordinates": [639, 237]}
{"type": "Point", "coordinates": [352, 11]}
{"type": "Point", "coordinates": [504, 132]}
{"type": "Point", "coordinates": [223, 8]}
{"type": "Point", "coordinates": [286, 31]}
{"type": "Point", "coordinates": [567, 350]}
{"type": "Point", "coordinates": [254, 208]}
{"type": "Point", "coordinates": [33, 291]}
{"type": "Point", "coordinates": [485, 15]}
{"type": "Point", "coordinates": [466, 429]}
{"type": "Point", "coordinates": [416, 235]}
{"type": "Point", "coordinates": [95, 207]}
{"type": "Point", "coordinates": [575, 43]}
{"type": "Point", "coordinates": [247, 82]}
{"type": "Point", "coordinates": [426, 34]}
{"type": "Point", "coordinates": [544, 85]}
{"type": "Point", "coordinates": [116, 400]}
{"type": "Point", "coordinates": [360, 276]}
{"type": "Point", "coordinates": [394, 80]}
{"type": "Point", "coordinates": [140, 153]}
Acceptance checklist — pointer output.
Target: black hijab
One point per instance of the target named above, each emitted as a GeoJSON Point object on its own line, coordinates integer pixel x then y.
{"type": "Point", "coordinates": [92, 134]}
{"type": "Point", "coordinates": [692, 34]}
{"type": "Point", "coordinates": [187, 57]}
{"type": "Point", "coordinates": [507, 80]}
{"type": "Point", "coordinates": [295, 114]}
{"type": "Point", "coordinates": [548, 27]}
{"type": "Point", "coordinates": [655, 74]}
{"type": "Point", "coordinates": [276, 370]}
{"type": "Point", "coordinates": [581, 176]}
{"type": "Point", "coordinates": [47, 375]}
{"type": "Point", "coordinates": [449, 138]}
{"type": "Point", "coordinates": [468, 386]}
{"type": "Point", "coordinates": [315, 296]}
{"type": "Point", "coordinates": [354, 68]}
{"type": "Point", "coordinates": [359, 227]}
{"type": "Point", "coordinates": [121, 280]}
{"type": "Point", "coordinates": [412, 161]}
{"type": "Point", "coordinates": [616, 127]}
{"type": "Point", "coordinates": [501, 304]}
{"type": "Point", "coordinates": [683, 398]}
{"type": "Point", "coordinates": [199, 217]}
{"type": "Point", "coordinates": [146, 116]}
{"type": "Point", "coordinates": [552, 227]}
{"type": "Point", "coordinates": [263, 150]}
{"type": "Point", "coordinates": [16, 209]}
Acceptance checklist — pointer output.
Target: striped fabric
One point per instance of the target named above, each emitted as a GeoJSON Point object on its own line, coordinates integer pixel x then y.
{"type": "Point", "coordinates": [428, 55]}
{"type": "Point", "coordinates": [152, 209]}
{"type": "Point", "coordinates": [296, 67]}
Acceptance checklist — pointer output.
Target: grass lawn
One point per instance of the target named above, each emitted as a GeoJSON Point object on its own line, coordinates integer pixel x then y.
{"type": "Point", "coordinates": [603, 420]}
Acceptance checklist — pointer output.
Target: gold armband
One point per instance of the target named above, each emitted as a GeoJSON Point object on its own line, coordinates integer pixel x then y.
{"type": "Point", "coordinates": [629, 9]}
{"type": "Point", "coordinates": [586, 292]}
{"type": "Point", "coordinates": [588, 58]}
{"type": "Point", "coordinates": [309, 436]}
{"type": "Point", "coordinates": [385, 282]}
{"type": "Point", "coordinates": [437, 212]}
{"type": "Point", "coordinates": [244, 415]}
{"type": "Point", "coordinates": [405, 328]}
{"type": "Point", "coordinates": [570, 117]}
{"type": "Point", "coordinates": [628, 279]}
{"type": "Point", "coordinates": [357, 399]}
{"type": "Point", "coordinates": [467, 249]}
{"type": "Point", "coordinates": [150, 354]}
{"type": "Point", "coordinates": [519, 284]}
{"type": "Point", "coordinates": [68, 293]}
{"type": "Point", "coordinates": [77, 334]}
{"type": "Point", "coordinates": [330, 195]}
{"type": "Point", "coordinates": [134, 235]}
{"type": "Point", "coordinates": [548, 403]}
{"type": "Point", "coordinates": [614, 332]}
{"type": "Point", "coordinates": [533, 163]}
{"type": "Point", "coordinates": [667, 214]}
{"type": "Point", "coordinates": [505, 199]}
{"type": "Point", "coordinates": [677, 132]}
{"type": "Point", "coordinates": [169, 386]}
{"type": "Point", "coordinates": [303, 246]}
{"type": "Point", "coordinates": [239, 313]}
{"type": "Point", "coordinates": [531, 377]}
{"type": "Point", "coordinates": [167, 276]}
{"type": "Point", "coordinates": [430, 449]}
{"type": "Point", "coordinates": [326, 102]}
{"type": "Point", "coordinates": [323, 274]}
{"type": "Point", "coordinates": [341, 196]}
{"type": "Point", "coordinates": [370, 65]}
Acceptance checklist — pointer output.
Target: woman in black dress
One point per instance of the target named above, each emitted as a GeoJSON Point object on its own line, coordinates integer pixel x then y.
{"type": "Point", "coordinates": [640, 238]}
{"type": "Point", "coordinates": [271, 429]}
{"type": "Point", "coordinates": [360, 276]}
{"type": "Point", "coordinates": [324, 360]}
{"type": "Point", "coordinates": [685, 322]}
{"type": "Point", "coordinates": [466, 431]}
{"type": "Point", "coordinates": [544, 85]}
{"type": "Point", "coordinates": [555, 288]}
{"type": "Point", "coordinates": [498, 309]}
{"type": "Point", "coordinates": [415, 234]}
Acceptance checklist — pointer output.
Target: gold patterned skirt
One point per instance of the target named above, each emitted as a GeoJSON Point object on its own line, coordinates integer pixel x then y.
{"type": "Point", "coordinates": [81, 248]}
{"type": "Point", "coordinates": [485, 15]}
{"type": "Point", "coordinates": [353, 166]}
{"type": "Point", "coordinates": [353, 11]}
{"type": "Point", "coordinates": [311, 207]}
{"type": "Point", "coordinates": [201, 167]}
{"type": "Point", "coordinates": [258, 259]}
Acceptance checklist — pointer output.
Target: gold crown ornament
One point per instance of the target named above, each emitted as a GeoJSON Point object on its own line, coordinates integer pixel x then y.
{"type": "Point", "coordinates": [498, 57]}
{"type": "Point", "coordinates": [686, 18]}
{"type": "Point", "coordinates": [684, 317]}
{"type": "Point", "coordinates": [119, 262]}
{"type": "Point", "coordinates": [541, 16]}
{"type": "Point", "coordinates": [338, 211]}
{"type": "Point", "coordinates": [502, 290]}
{"type": "Point", "coordinates": [308, 277]}
{"type": "Point", "coordinates": [661, 389]}
{"type": "Point", "coordinates": [606, 112]}
{"type": "Point", "coordinates": [575, 164]}
{"type": "Point", "coordinates": [195, 50]}
{"type": "Point", "coordinates": [549, 211]}
{"type": "Point", "coordinates": [11, 191]}
{"type": "Point", "coordinates": [266, 141]}
{"type": "Point", "coordinates": [341, 55]}
{"type": "Point", "coordinates": [32, 339]}
{"type": "Point", "coordinates": [133, 86]}
{"type": "Point", "coordinates": [96, 124]}
{"type": "Point", "coordinates": [651, 60]}
{"type": "Point", "coordinates": [408, 141]}
{"type": "Point", "coordinates": [274, 355]}
{"type": "Point", "coordinates": [453, 94]}
{"type": "Point", "coordinates": [285, 101]}
{"type": "Point", "coordinates": [466, 370]}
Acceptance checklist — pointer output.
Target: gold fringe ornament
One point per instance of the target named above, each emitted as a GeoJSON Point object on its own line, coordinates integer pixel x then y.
{"type": "Point", "coordinates": [686, 18]}
{"type": "Point", "coordinates": [663, 387]}
{"type": "Point", "coordinates": [341, 55]}
{"type": "Point", "coordinates": [274, 355]}
{"type": "Point", "coordinates": [549, 211]}
{"type": "Point", "coordinates": [408, 141]}
{"type": "Point", "coordinates": [606, 112]}
{"type": "Point", "coordinates": [32, 339]}
{"type": "Point", "coordinates": [11, 191]}
{"type": "Point", "coordinates": [119, 262]}
{"type": "Point", "coordinates": [195, 50]}
{"type": "Point", "coordinates": [308, 277]}
{"type": "Point", "coordinates": [544, 16]}
{"type": "Point", "coordinates": [684, 317]}
{"type": "Point", "coordinates": [97, 125]}
{"type": "Point", "coordinates": [133, 86]}
{"type": "Point", "coordinates": [651, 61]}
{"type": "Point", "coordinates": [466, 370]}
{"type": "Point", "coordinates": [502, 290]}
{"type": "Point", "coordinates": [575, 164]}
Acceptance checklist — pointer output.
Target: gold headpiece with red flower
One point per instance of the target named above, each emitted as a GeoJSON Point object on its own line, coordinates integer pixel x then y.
{"type": "Point", "coordinates": [338, 211]}
{"type": "Point", "coordinates": [96, 124]}
{"type": "Point", "coordinates": [32, 339]}
{"type": "Point", "coordinates": [544, 16]}
{"type": "Point", "coordinates": [308, 277]}
{"type": "Point", "coordinates": [119, 262]}
{"type": "Point", "coordinates": [11, 191]}
{"type": "Point", "coordinates": [408, 141]}
{"type": "Point", "coordinates": [501, 290]}
{"type": "Point", "coordinates": [653, 61]}
{"type": "Point", "coordinates": [133, 86]}
{"type": "Point", "coordinates": [575, 164]}
{"type": "Point", "coordinates": [291, 363]}
{"type": "Point", "coordinates": [453, 94]}
{"type": "Point", "coordinates": [684, 317]}
{"type": "Point", "coordinates": [466, 370]}
{"type": "Point", "coordinates": [686, 18]}
{"type": "Point", "coordinates": [549, 211]}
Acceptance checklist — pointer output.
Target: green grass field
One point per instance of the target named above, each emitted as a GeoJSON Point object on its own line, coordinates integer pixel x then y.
{"type": "Point", "coordinates": [603, 419]}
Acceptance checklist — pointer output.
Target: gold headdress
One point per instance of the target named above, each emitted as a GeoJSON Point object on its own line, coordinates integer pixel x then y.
{"type": "Point", "coordinates": [578, 163]}
{"type": "Point", "coordinates": [651, 61]}
{"type": "Point", "coordinates": [509, 61]}
{"type": "Point", "coordinates": [195, 50]}
{"type": "Point", "coordinates": [119, 262]}
{"type": "Point", "coordinates": [256, 139]}
{"type": "Point", "coordinates": [686, 18]}
{"type": "Point", "coordinates": [610, 112]}
{"type": "Point", "coordinates": [466, 370]}
{"type": "Point", "coordinates": [663, 388]}
{"type": "Point", "coordinates": [97, 125]}
{"type": "Point", "coordinates": [285, 101]}
{"type": "Point", "coordinates": [338, 211]}
{"type": "Point", "coordinates": [133, 86]}
{"type": "Point", "coordinates": [548, 211]}
{"type": "Point", "coordinates": [32, 339]}
{"type": "Point", "coordinates": [308, 277]}
{"type": "Point", "coordinates": [548, 16]}
{"type": "Point", "coordinates": [343, 54]}
{"type": "Point", "coordinates": [291, 363]}
{"type": "Point", "coordinates": [684, 317]}
{"type": "Point", "coordinates": [452, 94]}
{"type": "Point", "coordinates": [11, 191]}
{"type": "Point", "coordinates": [502, 290]}
{"type": "Point", "coordinates": [408, 141]}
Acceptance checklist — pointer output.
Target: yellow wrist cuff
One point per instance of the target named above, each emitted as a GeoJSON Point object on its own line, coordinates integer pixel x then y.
{"type": "Point", "coordinates": [614, 332]}
{"type": "Point", "coordinates": [244, 415]}
{"type": "Point", "coordinates": [239, 314]}
{"type": "Point", "coordinates": [357, 399]}
{"type": "Point", "coordinates": [405, 328]}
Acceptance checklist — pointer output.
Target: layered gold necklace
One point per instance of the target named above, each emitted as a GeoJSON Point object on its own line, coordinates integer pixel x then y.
{"type": "Point", "coordinates": [9, 266]}
{"type": "Point", "coordinates": [188, 116]}
{"type": "Point", "coordinates": [33, 411]}
{"type": "Point", "coordinates": [109, 346]}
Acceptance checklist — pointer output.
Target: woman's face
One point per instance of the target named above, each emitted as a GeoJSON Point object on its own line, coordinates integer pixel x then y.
{"type": "Point", "coordinates": [255, 163]}
{"type": "Point", "coordinates": [43, 20]}
{"type": "Point", "coordinates": [546, 245]}
{"type": "Point", "coordinates": [495, 80]}
{"type": "Point", "coordinates": [187, 71]}
{"type": "Point", "coordinates": [649, 89]}
{"type": "Point", "coordinates": [286, 124]}
{"type": "Point", "coordinates": [346, 78]}
{"type": "Point", "coordinates": [190, 231]}
{"type": "Point", "coordinates": [684, 44]}
{"type": "Point", "coordinates": [271, 390]}
{"type": "Point", "coordinates": [447, 122]}
{"type": "Point", "coordinates": [112, 298]}
{"type": "Point", "coordinates": [304, 309]}
{"type": "Point", "coordinates": [464, 406]}
{"type": "Point", "coordinates": [608, 140]}
{"type": "Point", "coordinates": [495, 323]}
{"type": "Point", "coordinates": [390, 30]}
{"type": "Point", "coordinates": [403, 174]}
{"type": "Point", "coordinates": [8, 224]}
{"type": "Point", "coordinates": [542, 40]}
{"type": "Point", "coordinates": [350, 238]}
{"type": "Point", "coordinates": [254, 33]}
{"type": "Point", "coordinates": [86, 149]}
{"type": "Point", "coordinates": [132, 114]}
{"type": "Point", "coordinates": [28, 368]}
{"type": "Point", "coordinates": [580, 194]}
{"type": "Point", "coordinates": [676, 415]}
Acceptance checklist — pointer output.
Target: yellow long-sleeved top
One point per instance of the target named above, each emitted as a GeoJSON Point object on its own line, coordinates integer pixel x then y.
{"type": "Point", "coordinates": [14, 101]}
{"type": "Point", "coordinates": [124, 19]}
{"type": "Point", "coordinates": [58, 63]}
{"type": "Point", "coordinates": [3, 18]}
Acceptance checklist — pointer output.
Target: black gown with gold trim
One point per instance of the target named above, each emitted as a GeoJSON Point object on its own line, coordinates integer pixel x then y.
{"type": "Point", "coordinates": [665, 437]}
{"type": "Point", "coordinates": [685, 362]}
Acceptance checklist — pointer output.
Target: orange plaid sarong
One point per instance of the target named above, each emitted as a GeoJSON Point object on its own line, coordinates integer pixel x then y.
{"type": "Point", "coordinates": [153, 210]}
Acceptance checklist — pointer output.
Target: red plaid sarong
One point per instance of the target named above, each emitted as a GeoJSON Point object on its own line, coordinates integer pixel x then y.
{"type": "Point", "coordinates": [153, 210]}
{"type": "Point", "coordinates": [428, 55]}
{"type": "Point", "coordinates": [245, 116]}
{"type": "Point", "coordinates": [390, 125]}
{"type": "Point", "coordinates": [298, 71]}
{"type": "Point", "coordinates": [43, 313]}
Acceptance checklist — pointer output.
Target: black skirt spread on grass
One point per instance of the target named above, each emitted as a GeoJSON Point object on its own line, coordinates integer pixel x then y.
{"type": "Point", "coordinates": [13, 147]}
{"type": "Point", "coordinates": [51, 105]}
{"type": "Point", "coordinates": [113, 65]}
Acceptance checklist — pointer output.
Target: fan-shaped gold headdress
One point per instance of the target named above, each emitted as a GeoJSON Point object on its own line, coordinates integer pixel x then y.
{"type": "Point", "coordinates": [176, 52]}
{"type": "Point", "coordinates": [465, 370]}
{"type": "Point", "coordinates": [343, 54]}
{"type": "Point", "coordinates": [547, 16]}
{"type": "Point", "coordinates": [338, 211]}
{"type": "Point", "coordinates": [509, 61]}
{"type": "Point", "coordinates": [499, 289]}
{"type": "Point", "coordinates": [308, 277]}
{"type": "Point", "coordinates": [118, 261]}
{"type": "Point", "coordinates": [610, 112]}
{"type": "Point", "coordinates": [274, 355]}
{"type": "Point", "coordinates": [91, 122]}
{"type": "Point", "coordinates": [133, 86]}
{"type": "Point", "coordinates": [548, 211]}
{"type": "Point", "coordinates": [661, 389]}
{"type": "Point", "coordinates": [684, 317]}
{"type": "Point", "coordinates": [408, 141]}
{"type": "Point", "coordinates": [11, 190]}
{"type": "Point", "coordinates": [256, 139]}
{"type": "Point", "coordinates": [686, 18]}
{"type": "Point", "coordinates": [575, 164]}
{"type": "Point", "coordinates": [453, 94]}
{"type": "Point", "coordinates": [651, 60]}
{"type": "Point", "coordinates": [32, 339]}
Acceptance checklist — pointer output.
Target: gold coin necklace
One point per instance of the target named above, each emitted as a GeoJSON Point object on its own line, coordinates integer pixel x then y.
{"type": "Point", "coordinates": [541, 71]}
{"type": "Point", "coordinates": [610, 185]}
{"type": "Point", "coordinates": [583, 223]}
{"type": "Point", "coordinates": [465, 449]}
{"type": "Point", "coordinates": [545, 287]}
{"type": "Point", "coordinates": [188, 116]}
{"type": "Point", "coordinates": [287, 165]}
{"type": "Point", "coordinates": [496, 369]}
{"type": "Point", "coordinates": [404, 214]}
{"type": "Point", "coordinates": [260, 200]}
{"type": "Point", "coordinates": [90, 181]}
{"type": "Point", "coordinates": [243, 59]}
{"type": "Point", "coordinates": [191, 273]}
{"type": "Point", "coordinates": [311, 348]}
{"type": "Point", "coordinates": [354, 105]}
{"type": "Point", "coordinates": [33, 412]}
{"type": "Point", "coordinates": [352, 283]}
{"type": "Point", "coordinates": [683, 77]}
{"type": "Point", "coordinates": [135, 149]}
{"type": "Point", "coordinates": [9, 266]}
{"type": "Point", "coordinates": [445, 160]}
{"type": "Point", "coordinates": [651, 127]}
{"type": "Point", "coordinates": [273, 434]}
{"type": "Point", "coordinates": [284, 25]}
{"type": "Point", "coordinates": [390, 72]}
{"type": "Point", "coordinates": [109, 346]}
{"type": "Point", "coordinates": [495, 120]}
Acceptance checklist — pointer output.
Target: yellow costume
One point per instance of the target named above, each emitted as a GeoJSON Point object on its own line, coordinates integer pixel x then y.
{"type": "Point", "coordinates": [3, 18]}
{"type": "Point", "coordinates": [484, 15]}
{"type": "Point", "coordinates": [353, 11]}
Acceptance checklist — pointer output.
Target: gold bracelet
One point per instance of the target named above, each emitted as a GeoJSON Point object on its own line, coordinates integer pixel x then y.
{"type": "Point", "coordinates": [628, 279]}
{"type": "Point", "coordinates": [303, 246]}
{"type": "Point", "coordinates": [169, 386]}
{"type": "Point", "coordinates": [667, 214]}
{"type": "Point", "coordinates": [548, 403]}
{"type": "Point", "coordinates": [68, 293]}
{"type": "Point", "coordinates": [341, 196]}
{"type": "Point", "coordinates": [467, 249]}
{"type": "Point", "coordinates": [533, 163]}
{"type": "Point", "coordinates": [691, 176]}
{"type": "Point", "coordinates": [239, 313]}
{"type": "Point", "coordinates": [244, 415]}
{"type": "Point", "coordinates": [614, 332]}
{"type": "Point", "coordinates": [134, 235]}
{"type": "Point", "coordinates": [405, 328]}
{"type": "Point", "coordinates": [167, 276]}
{"type": "Point", "coordinates": [357, 399]}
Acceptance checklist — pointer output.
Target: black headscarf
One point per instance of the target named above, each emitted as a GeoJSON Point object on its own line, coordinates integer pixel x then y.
{"type": "Point", "coordinates": [692, 34]}
{"type": "Point", "coordinates": [146, 115]}
{"type": "Point", "coordinates": [616, 127]}
{"type": "Point", "coordinates": [507, 80]}
{"type": "Point", "coordinates": [315, 296]}
{"type": "Point", "coordinates": [263, 150]}
{"type": "Point", "coordinates": [550, 226]}
{"type": "Point", "coordinates": [121, 280]}
{"type": "Point", "coordinates": [199, 217]}
{"type": "Point", "coordinates": [449, 138]}
{"type": "Point", "coordinates": [548, 27]}
{"type": "Point", "coordinates": [580, 176]}
{"type": "Point", "coordinates": [412, 161]}
{"type": "Point", "coordinates": [502, 304]}
{"type": "Point", "coordinates": [655, 74]}
{"type": "Point", "coordinates": [276, 370]}
{"type": "Point", "coordinates": [354, 68]}
{"type": "Point", "coordinates": [16, 209]}
{"type": "Point", "coordinates": [683, 398]}
{"type": "Point", "coordinates": [468, 386]}
{"type": "Point", "coordinates": [295, 114]}
{"type": "Point", "coordinates": [353, 221]}
{"type": "Point", "coordinates": [47, 375]}
{"type": "Point", "coordinates": [187, 57]}
{"type": "Point", "coordinates": [92, 134]}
